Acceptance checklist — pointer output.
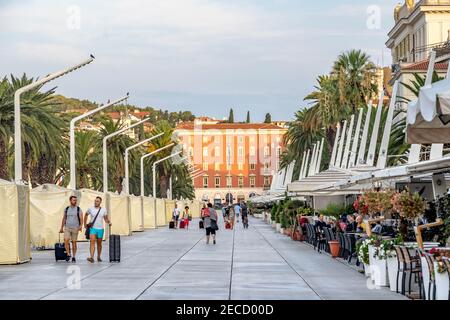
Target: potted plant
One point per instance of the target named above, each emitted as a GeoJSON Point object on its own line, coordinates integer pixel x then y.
{"type": "Point", "coordinates": [362, 249]}
{"type": "Point", "coordinates": [273, 214]}
{"type": "Point", "coordinates": [440, 275]}
{"type": "Point", "coordinates": [387, 251]}
{"type": "Point", "coordinates": [382, 251]}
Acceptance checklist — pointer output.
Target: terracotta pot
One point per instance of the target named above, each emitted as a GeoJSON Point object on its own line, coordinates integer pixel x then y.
{"type": "Point", "coordinates": [334, 248]}
{"type": "Point", "coordinates": [295, 236]}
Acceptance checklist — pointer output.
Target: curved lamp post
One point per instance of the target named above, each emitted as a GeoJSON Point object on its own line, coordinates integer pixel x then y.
{"type": "Point", "coordinates": [73, 176]}
{"type": "Point", "coordinates": [154, 169]}
{"type": "Point", "coordinates": [127, 151]}
{"type": "Point", "coordinates": [142, 163]}
{"type": "Point", "coordinates": [105, 151]}
{"type": "Point", "coordinates": [17, 121]}
{"type": "Point", "coordinates": [154, 178]}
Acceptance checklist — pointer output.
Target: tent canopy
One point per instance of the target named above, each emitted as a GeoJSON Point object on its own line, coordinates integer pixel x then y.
{"type": "Point", "coordinates": [429, 117]}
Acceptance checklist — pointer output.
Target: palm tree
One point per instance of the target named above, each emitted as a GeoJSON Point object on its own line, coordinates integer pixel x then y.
{"type": "Point", "coordinates": [356, 78]}
{"type": "Point", "coordinates": [164, 168]}
{"type": "Point", "coordinates": [4, 130]}
{"type": "Point", "coordinates": [42, 137]}
{"type": "Point", "coordinates": [301, 134]}
{"type": "Point", "coordinates": [327, 110]}
{"type": "Point", "coordinates": [182, 184]}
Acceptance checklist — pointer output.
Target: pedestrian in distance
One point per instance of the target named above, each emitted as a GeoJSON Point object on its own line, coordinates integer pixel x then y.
{"type": "Point", "coordinates": [176, 215]}
{"type": "Point", "coordinates": [237, 211]}
{"type": "Point", "coordinates": [96, 228]}
{"type": "Point", "coordinates": [186, 217]}
{"type": "Point", "coordinates": [211, 225]}
{"type": "Point", "coordinates": [71, 227]}
{"type": "Point", "coordinates": [244, 214]}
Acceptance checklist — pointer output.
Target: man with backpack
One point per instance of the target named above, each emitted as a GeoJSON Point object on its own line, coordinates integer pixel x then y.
{"type": "Point", "coordinates": [71, 226]}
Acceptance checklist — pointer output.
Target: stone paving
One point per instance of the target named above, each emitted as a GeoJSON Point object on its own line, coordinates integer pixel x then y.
{"type": "Point", "coordinates": [256, 263]}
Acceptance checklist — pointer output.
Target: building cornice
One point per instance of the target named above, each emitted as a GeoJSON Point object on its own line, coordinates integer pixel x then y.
{"type": "Point", "coordinates": [413, 16]}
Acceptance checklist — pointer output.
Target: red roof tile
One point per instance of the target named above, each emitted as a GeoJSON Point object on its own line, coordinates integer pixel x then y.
{"type": "Point", "coordinates": [224, 126]}
{"type": "Point", "coordinates": [423, 66]}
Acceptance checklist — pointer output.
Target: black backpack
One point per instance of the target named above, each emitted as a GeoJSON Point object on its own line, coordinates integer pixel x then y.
{"type": "Point", "coordinates": [78, 214]}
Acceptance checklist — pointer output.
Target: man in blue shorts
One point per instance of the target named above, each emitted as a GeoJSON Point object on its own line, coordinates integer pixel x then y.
{"type": "Point", "coordinates": [97, 215]}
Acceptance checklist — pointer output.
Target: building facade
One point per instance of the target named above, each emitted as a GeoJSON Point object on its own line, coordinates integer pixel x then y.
{"type": "Point", "coordinates": [420, 26]}
{"type": "Point", "coordinates": [232, 161]}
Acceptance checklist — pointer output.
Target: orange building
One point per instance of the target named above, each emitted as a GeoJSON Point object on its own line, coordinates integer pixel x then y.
{"type": "Point", "coordinates": [235, 159]}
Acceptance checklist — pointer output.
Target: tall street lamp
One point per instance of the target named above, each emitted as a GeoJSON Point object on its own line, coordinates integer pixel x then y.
{"type": "Point", "coordinates": [154, 178]}
{"type": "Point", "coordinates": [105, 152]}
{"type": "Point", "coordinates": [17, 120]}
{"type": "Point", "coordinates": [142, 163]}
{"type": "Point", "coordinates": [154, 169]}
{"type": "Point", "coordinates": [73, 176]}
{"type": "Point", "coordinates": [127, 151]}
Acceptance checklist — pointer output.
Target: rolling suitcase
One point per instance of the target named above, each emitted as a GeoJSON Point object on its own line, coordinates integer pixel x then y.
{"type": "Point", "coordinates": [182, 224]}
{"type": "Point", "coordinates": [60, 251]}
{"type": "Point", "coordinates": [172, 225]}
{"type": "Point", "coordinates": [114, 248]}
{"type": "Point", "coordinates": [201, 225]}
{"type": "Point", "coordinates": [227, 225]}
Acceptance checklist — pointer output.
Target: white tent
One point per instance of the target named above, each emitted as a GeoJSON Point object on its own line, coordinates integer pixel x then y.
{"type": "Point", "coordinates": [119, 211]}
{"type": "Point", "coordinates": [149, 212]}
{"type": "Point", "coordinates": [160, 212]}
{"type": "Point", "coordinates": [47, 205]}
{"type": "Point", "coordinates": [136, 213]}
{"type": "Point", "coordinates": [14, 223]}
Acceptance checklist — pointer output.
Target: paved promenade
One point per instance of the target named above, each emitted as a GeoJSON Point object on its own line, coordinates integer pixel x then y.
{"type": "Point", "coordinates": [177, 264]}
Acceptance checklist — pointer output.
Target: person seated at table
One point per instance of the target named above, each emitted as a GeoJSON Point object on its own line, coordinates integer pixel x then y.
{"type": "Point", "coordinates": [377, 228]}
{"type": "Point", "coordinates": [360, 225]}
{"type": "Point", "coordinates": [352, 225]}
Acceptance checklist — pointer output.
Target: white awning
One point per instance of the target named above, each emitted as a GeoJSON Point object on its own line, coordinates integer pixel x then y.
{"type": "Point", "coordinates": [434, 100]}
{"type": "Point", "coordinates": [309, 185]}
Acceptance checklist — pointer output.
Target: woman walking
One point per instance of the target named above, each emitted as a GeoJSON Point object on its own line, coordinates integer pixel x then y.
{"type": "Point", "coordinates": [211, 226]}
{"type": "Point", "coordinates": [186, 216]}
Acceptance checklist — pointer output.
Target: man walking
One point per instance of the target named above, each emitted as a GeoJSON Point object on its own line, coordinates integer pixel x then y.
{"type": "Point", "coordinates": [237, 211]}
{"type": "Point", "coordinates": [71, 226]}
{"type": "Point", "coordinates": [211, 223]}
{"type": "Point", "coordinates": [244, 214]}
{"type": "Point", "coordinates": [96, 228]}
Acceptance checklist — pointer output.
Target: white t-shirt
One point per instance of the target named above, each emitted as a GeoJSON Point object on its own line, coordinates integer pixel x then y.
{"type": "Point", "coordinates": [99, 221]}
{"type": "Point", "coordinates": [176, 212]}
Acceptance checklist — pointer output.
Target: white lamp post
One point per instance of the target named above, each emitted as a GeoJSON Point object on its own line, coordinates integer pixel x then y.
{"type": "Point", "coordinates": [127, 151]}
{"type": "Point", "coordinates": [105, 152]}
{"type": "Point", "coordinates": [17, 121]}
{"type": "Point", "coordinates": [73, 176]}
{"type": "Point", "coordinates": [142, 163]}
{"type": "Point", "coordinates": [154, 169]}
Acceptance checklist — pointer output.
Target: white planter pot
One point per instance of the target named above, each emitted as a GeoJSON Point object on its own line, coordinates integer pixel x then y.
{"type": "Point", "coordinates": [442, 283]}
{"type": "Point", "coordinates": [425, 276]}
{"type": "Point", "coordinates": [371, 261]}
{"type": "Point", "coordinates": [278, 227]}
{"type": "Point", "coordinates": [274, 224]}
{"type": "Point", "coordinates": [367, 270]}
{"type": "Point", "coordinates": [392, 266]}
{"type": "Point", "coordinates": [379, 272]}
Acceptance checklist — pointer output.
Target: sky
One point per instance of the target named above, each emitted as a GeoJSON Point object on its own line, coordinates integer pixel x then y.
{"type": "Point", "coordinates": [205, 56]}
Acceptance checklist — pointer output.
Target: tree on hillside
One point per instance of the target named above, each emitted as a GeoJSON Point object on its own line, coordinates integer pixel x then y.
{"type": "Point", "coordinates": [268, 118]}
{"type": "Point", "coordinates": [248, 117]}
{"type": "Point", "coordinates": [231, 116]}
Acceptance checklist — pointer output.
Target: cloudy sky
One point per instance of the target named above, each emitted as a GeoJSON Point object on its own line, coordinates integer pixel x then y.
{"type": "Point", "coordinates": [200, 55]}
